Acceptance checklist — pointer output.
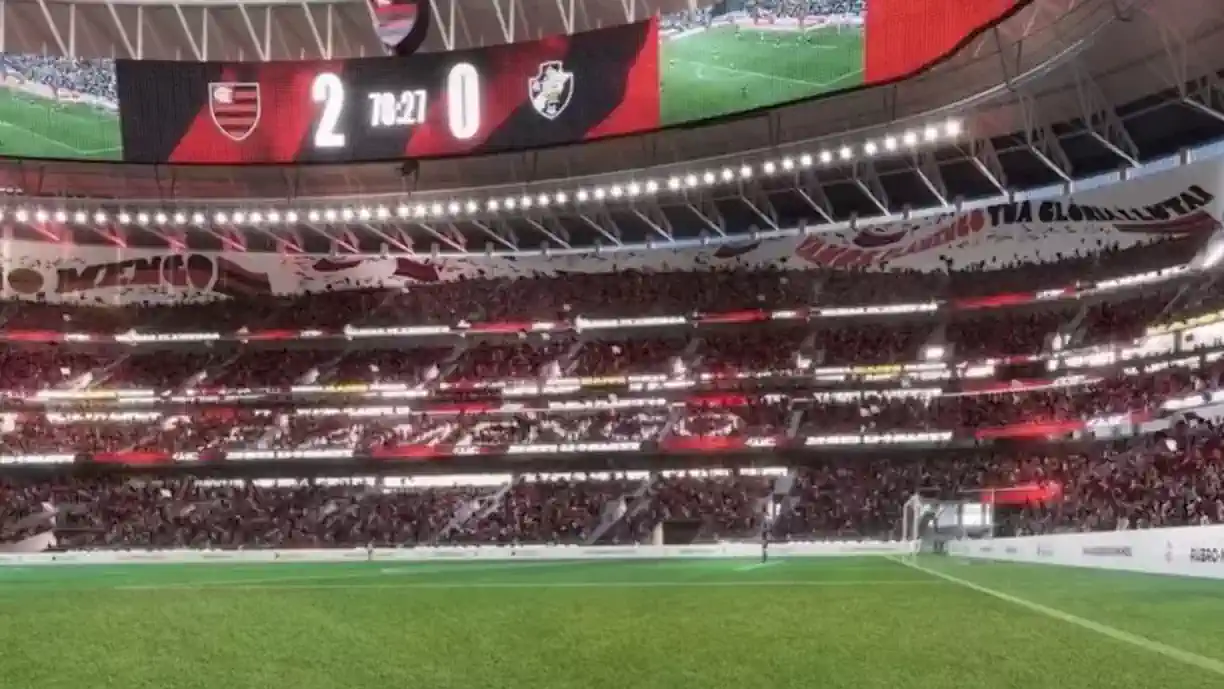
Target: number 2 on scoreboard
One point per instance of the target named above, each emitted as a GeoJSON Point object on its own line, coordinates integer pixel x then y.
{"type": "Point", "coordinates": [328, 90]}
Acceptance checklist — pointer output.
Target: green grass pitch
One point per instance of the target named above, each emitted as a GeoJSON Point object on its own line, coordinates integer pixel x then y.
{"type": "Point", "coordinates": [717, 72]}
{"type": "Point", "coordinates": [858, 623]}
{"type": "Point", "coordinates": [32, 127]}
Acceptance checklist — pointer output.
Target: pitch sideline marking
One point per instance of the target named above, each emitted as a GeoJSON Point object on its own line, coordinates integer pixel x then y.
{"type": "Point", "coordinates": [364, 574]}
{"type": "Point", "coordinates": [772, 77]}
{"type": "Point", "coordinates": [544, 585]}
{"type": "Point", "coordinates": [1183, 656]}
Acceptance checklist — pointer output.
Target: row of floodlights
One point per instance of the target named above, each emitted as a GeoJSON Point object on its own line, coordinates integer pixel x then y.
{"type": "Point", "coordinates": [907, 141]}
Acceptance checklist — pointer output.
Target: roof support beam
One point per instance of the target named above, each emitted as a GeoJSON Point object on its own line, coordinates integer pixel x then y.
{"type": "Point", "coordinates": [985, 159]}
{"type": "Point", "coordinates": [262, 46]}
{"type": "Point", "coordinates": [1041, 141]}
{"type": "Point", "coordinates": [498, 232]}
{"type": "Point", "coordinates": [610, 230]}
{"type": "Point", "coordinates": [931, 176]}
{"type": "Point", "coordinates": [122, 31]}
{"type": "Point", "coordinates": [54, 30]}
{"type": "Point", "coordinates": [199, 53]}
{"type": "Point", "coordinates": [1103, 123]}
{"type": "Point", "coordinates": [324, 48]}
{"type": "Point", "coordinates": [550, 234]}
{"type": "Point", "coordinates": [868, 182]}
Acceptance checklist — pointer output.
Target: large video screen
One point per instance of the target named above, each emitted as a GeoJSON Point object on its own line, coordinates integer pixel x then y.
{"type": "Point", "coordinates": [735, 56]}
{"type": "Point", "coordinates": [57, 107]}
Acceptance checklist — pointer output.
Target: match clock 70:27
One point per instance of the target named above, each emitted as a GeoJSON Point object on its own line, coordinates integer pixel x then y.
{"type": "Point", "coordinates": [395, 108]}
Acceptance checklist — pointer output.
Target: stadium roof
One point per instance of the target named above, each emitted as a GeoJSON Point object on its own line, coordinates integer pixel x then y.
{"type": "Point", "coordinates": [261, 30]}
{"type": "Point", "coordinates": [1062, 90]}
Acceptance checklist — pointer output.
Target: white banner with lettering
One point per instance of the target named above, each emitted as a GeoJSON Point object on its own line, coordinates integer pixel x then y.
{"type": "Point", "coordinates": [1180, 204]}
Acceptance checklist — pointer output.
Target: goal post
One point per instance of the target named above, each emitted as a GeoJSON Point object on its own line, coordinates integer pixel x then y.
{"type": "Point", "coordinates": [929, 521]}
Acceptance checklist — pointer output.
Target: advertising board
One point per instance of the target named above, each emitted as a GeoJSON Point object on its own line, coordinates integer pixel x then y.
{"type": "Point", "coordinates": [1192, 551]}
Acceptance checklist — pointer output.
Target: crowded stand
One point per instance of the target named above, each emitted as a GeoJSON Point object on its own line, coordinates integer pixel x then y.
{"type": "Point", "coordinates": [1051, 407]}
{"type": "Point", "coordinates": [1145, 484]}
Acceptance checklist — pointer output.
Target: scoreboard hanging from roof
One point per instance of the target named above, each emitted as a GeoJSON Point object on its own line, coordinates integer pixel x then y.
{"type": "Point", "coordinates": [558, 90]}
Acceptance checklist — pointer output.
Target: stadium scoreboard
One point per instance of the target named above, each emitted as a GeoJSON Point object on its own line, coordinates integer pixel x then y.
{"type": "Point", "coordinates": [553, 91]}
{"type": "Point", "coordinates": [522, 95]}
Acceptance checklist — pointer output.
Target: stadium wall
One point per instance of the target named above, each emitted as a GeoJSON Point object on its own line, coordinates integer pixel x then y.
{"type": "Point", "coordinates": [1192, 551]}
{"type": "Point", "coordinates": [453, 554]}
{"type": "Point", "coordinates": [1179, 203]}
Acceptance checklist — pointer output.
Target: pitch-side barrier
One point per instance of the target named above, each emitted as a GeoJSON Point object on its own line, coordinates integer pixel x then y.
{"type": "Point", "coordinates": [529, 552]}
{"type": "Point", "coordinates": [1192, 551]}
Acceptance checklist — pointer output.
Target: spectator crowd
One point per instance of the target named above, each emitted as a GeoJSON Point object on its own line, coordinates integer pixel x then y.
{"type": "Point", "coordinates": [1178, 480]}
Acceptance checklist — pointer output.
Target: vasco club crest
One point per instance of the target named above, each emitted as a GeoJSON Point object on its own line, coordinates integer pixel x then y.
{"type": "Point", "coordinates": [234, 107]}
{"type": "Point", "coordinates": [551, 89]}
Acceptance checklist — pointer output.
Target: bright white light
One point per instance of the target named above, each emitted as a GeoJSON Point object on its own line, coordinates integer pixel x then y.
{"type": "Point", "coordinates": [910, 138]}
{"type": "Point", "coordinates": [313, 216]}
{"type": "Point", "coordinates": [845, 153]}
{"type": "Point", "coordinates": [952, 128]}
{"type": "Point", "coordinates": [453, 207]}
{"type": "Point", "coordinates": [124, 218]}
{"type": "Point", "coordinates": [436, 209]}
{"type": "Point", "coordinates": [708, 177]}
{"type": "Point", "coordinates": [542, 199]}
{"type": "Point", "coordinates": [60, 216]}
{"type": "Point", "coordinates": [727, 175]}
{"type": "Point", "coordinates": [329, 214]}
{"type": "Point", "coordinates": [402, 211]}
{"type": "Point", "coordinates": [197, 218]}
{"type": "Point", "coordinates": [347, 214]}
{"type": "Point", "coordinates": [673, 183]}
{"type": "Point", "coordinates": [142, 218]}
{"type": "Point", "coordinates": [239, 217]}
{"type": "Point", "coordinates": [220, 217]}
{"type": "Point", "coordinates": [805, 160]}
{"type": "Point", "coordinates": [890, 143]}
{"type": "Point", "coordinates": [472, 206]}
{"type": "Point", "coordinates": [788, 164]}
{"type": "Point", "coordinates": [100, 217]}
{"type": "Point", "coordinates": [562, 197]}
{"type": "Point", "coordinates": [600, 193]}
{"type": "Point", "coordinates": [690, 180]}
{"type": "Point", "coordinates": [291, 217]}
{"type": "Point", "coordinates": [78, 217]}
{"type": "Point", "coordinates": [22, 215]}
{"type": "Point", "coordinates": [826, 157]}
{"type": "Point", "coordinates": [493, 205]}
{"type": "Point", "coordinates": [160, 218]}
{"type": "Point", "coordinates": [583, 195]}
{"type": "Point", "coordinates": [770, 167]}
{"type": "Point", "coordinates": [256, 217]}
{"type": "Point", "coordinates": [930, 133]}
{"type": "Point", "coordinates": [418, 211]}
{"type": "Point", "coordinates": [510, 203]}
{"type": "Point", "coordinates": [364, 213]}
{"type": "Point", "coordinates": [651, 186]}
{"type": "Point", "coordinates": [933, 353]}
{"type": "Point", "coordinates": [745, 171]}
{"type": "Point", "coordinates": [870, 148]}
{"type": "Point", "coordinates": [180, 218]}
{"type": "Point", "coordinates": [617, 191]}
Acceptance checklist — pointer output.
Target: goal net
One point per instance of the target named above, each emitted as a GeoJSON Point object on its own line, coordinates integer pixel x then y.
{"type": "Point", "coordinates": [931, 520]}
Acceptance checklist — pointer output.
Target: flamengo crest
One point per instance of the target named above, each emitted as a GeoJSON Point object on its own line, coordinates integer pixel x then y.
{"type": "Point", "coordinates": [551, 89]}
{"type": "Point", "coordinates": [234, 107]}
